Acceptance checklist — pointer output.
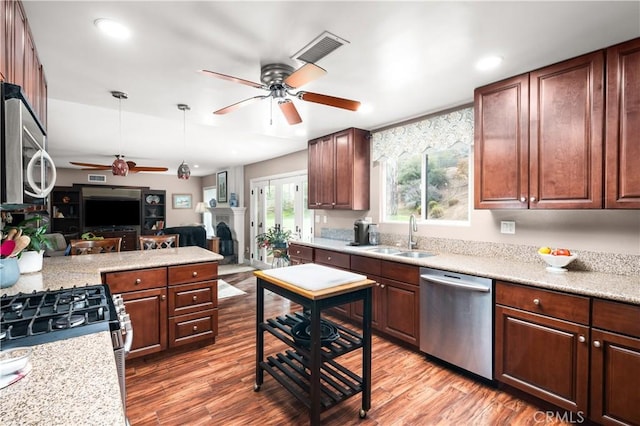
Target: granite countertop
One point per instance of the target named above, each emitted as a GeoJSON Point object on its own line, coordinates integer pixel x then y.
{"type": "Point", "coordinates": [623, 288]}
{"type": "Point", "coordinates": [75, 381]}
{"type": "Point", "coordinates": [72, 382]}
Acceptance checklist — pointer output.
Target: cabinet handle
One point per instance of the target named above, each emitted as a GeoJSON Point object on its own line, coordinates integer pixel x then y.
{"type": "Point", "coordinates": [195, 298]}
{"type": "Point", "coordinates": [194, 274]}
{"type": "Point", "coordinates": [333, 204]}
{"type": "Point", "coordinates": [138, 281]}
{"type": "Point", "coordinates": [596, 343]}
{"type": "Point", "coordinates": [163, 297]}
{"type": "Point", "coordinates": [381, 285]}
{"type": "Point", "coordinates": [581, 339]}
{"type": "Point", "coordinates": [532, 199]}
{"type": "Point", "coordinates": [536, 302]}
{"type": "Point", "coordinates": [328, 257]}
{"type": "Point", "coordinates": [297, 251]}
{"type": "Point", "coordinates": [523, 199]}
{"type": "Point", "coordinates": [195, 328]}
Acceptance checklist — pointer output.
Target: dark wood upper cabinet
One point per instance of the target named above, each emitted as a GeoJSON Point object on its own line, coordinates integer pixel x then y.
{"type": "Point", "coordinates": [566, 130]}
{"type": "Point", "coordinates": [4, 51]}
{"type": "Point", "coordinates": [539, 138]}
{"type": "Point", "coordinates": [339, 171]}
{"type": "Point", "coordinates": [501, 144]}
{"type": "Point", "coordinates": [622, 182]}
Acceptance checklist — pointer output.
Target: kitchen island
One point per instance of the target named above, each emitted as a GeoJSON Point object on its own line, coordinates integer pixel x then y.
{"type": "Point", "coordinates": [75, 381]}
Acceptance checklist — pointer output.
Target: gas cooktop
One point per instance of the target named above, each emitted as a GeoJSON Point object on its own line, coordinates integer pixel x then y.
{"type": "Point", "coordinates": [28, 319]}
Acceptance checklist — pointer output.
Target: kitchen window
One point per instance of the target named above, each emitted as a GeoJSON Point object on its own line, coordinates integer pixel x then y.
{"type": "Point", "coordinates": [425, 168]}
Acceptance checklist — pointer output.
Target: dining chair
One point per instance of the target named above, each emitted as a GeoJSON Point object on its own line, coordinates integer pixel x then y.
{"type": "Point", "coordinates": [106, 245]}
{"type": "Point", "coordinates": [153, 242]}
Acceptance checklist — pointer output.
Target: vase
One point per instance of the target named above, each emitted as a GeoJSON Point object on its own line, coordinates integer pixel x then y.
{"type": "Point", "coordinates": [9, 272]}
{"type": "Point", "coordinates": [30, 261]}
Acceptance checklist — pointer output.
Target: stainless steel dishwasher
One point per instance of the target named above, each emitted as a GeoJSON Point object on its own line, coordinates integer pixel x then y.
{"type": "Point", "coordinates": [456, 319]}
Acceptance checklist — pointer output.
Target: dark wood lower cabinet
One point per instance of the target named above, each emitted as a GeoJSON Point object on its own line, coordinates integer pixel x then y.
{"type": "Point", "coordinates": [400, 310]}
{"type": "Point", "coordinates": [148, 312]}
{"type": "Point", "coordinates": [615, 375]}
{"type": "Point", "coordinates": [543, 356]}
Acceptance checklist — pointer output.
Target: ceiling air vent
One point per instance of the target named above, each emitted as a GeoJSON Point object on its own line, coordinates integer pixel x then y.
{"type": "Point", "coordinates": [97, 178]}
{"type": "Point", "coordinates": [320, 47]}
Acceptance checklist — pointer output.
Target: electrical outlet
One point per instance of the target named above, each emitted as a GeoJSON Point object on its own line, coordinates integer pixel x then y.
{"type": "Point", "coordinates": [507, 227]}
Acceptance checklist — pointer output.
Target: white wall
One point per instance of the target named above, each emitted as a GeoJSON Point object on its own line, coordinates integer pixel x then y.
{"type": "Point", "coordinates": [169, 183]}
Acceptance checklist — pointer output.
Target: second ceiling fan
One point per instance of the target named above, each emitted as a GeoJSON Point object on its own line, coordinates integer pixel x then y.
{"type": "Point", "coordinates": [280, 80]}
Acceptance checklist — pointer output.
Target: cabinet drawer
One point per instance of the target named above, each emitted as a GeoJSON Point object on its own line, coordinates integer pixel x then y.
{"type": "Point", "coordinates": [558, 305]}
{"type": "Point", "coordinates": [193, 272]}
{"type": "Point", "coordinates": [365, 265]}
{"type": "Point", "coordinates": [401, 272]}
{"type": "Point", "coordinates": [332, 258]}
{"type": "Point", "coordinates": [189, 298]}
{"type": "Point", "coordinates": [301, 252]}
{"type": "Point", "coordinates": [196, 327]}
{"type": "Point", "coordinates": [142, 279]}
{"type": "Point", "coordinates": [616, 317]}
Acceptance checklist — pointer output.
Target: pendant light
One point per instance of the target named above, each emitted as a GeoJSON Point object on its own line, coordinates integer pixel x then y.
{"type": "Point", "coordinates": [183, 169]}
{"type": "Point", "coordinates": [119, 166]}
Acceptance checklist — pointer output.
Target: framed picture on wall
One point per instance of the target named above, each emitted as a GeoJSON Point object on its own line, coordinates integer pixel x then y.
{"type": "Point", "coordinates": [222, 187]}
{"type": "Point", "coordinates": [182, 201]}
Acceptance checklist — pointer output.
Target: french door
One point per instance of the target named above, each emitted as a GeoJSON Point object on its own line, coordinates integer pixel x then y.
{"type": "Point", "coordinates": [279, 201]}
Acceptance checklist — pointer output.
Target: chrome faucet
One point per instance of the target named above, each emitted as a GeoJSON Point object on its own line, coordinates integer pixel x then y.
{"type": "Point", "coordinates": [413, 227]}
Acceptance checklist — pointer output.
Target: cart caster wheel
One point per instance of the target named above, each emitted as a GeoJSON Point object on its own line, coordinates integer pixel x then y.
{"type": "Point", "coordinates": [256, 387]}
{"type": "Point", "coordinates": [362, 413]}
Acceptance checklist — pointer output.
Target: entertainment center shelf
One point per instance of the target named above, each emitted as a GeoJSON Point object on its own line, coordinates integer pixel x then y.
{"type": "Point", "coordinates": [108, 211]}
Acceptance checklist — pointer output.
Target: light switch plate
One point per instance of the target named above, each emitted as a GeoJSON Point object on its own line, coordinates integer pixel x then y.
{"type": "Point", "coordinates": [507, 227]}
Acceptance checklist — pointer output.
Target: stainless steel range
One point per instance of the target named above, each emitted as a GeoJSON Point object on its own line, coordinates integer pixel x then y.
{"type": "Point", "coordinates": [28, 319]}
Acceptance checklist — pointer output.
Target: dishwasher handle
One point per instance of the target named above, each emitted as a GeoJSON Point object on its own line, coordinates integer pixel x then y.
{"type": "Point", "coordinates": [458, 284]}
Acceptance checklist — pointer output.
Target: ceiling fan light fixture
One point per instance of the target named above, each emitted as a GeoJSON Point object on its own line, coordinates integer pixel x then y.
{"type": "Point", "coordinates": [184, 172]}
{"type": "Point", "coordinates": [119, 167]}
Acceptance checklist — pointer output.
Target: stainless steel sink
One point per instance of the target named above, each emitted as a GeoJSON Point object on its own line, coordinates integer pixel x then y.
{"type": "Point", "coordinates": [413, 254]}
{"type": "Point", "coordinates": [384, 250]}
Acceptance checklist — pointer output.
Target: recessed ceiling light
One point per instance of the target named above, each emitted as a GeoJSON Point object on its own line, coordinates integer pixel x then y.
{"type": "Point", "coordinates": [112, 28]}
{"type": "Point", "coordinates": [488, 63]}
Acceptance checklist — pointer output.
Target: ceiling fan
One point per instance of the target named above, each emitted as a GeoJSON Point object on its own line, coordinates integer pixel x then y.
{"type": "Point", "coordinates": [117, 165]}
{"type": "Point", "coordinates": [280, 80]}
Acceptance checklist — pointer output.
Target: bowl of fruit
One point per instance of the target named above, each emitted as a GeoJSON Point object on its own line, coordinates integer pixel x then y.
{"type": "Point", "coordinates": [557, 258]}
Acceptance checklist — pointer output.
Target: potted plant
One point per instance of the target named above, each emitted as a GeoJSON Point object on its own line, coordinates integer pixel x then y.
{"type": "Point", "coordinates": [30, 259]}
{"type": "Point", "coordinates": [276, 241]}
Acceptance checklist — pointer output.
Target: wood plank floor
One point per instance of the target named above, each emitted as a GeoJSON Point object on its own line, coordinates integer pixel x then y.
{"type": "Point", "coordinates": [213, 385]}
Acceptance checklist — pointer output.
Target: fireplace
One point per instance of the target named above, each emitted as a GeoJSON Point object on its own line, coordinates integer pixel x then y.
{"type": "Point", "coordinates": [233, 218]}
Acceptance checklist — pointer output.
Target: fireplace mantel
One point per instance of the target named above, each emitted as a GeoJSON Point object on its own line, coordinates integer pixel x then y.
{"type": "Point", "coordinates": [234, 218]}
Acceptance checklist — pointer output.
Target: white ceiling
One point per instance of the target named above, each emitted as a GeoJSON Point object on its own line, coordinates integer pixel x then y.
{"type": "Point", "coordinates": [404, 59]}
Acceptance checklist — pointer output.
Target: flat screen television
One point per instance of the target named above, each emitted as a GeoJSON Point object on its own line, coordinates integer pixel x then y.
{"type": "Point", "coordinates": [111, 212]}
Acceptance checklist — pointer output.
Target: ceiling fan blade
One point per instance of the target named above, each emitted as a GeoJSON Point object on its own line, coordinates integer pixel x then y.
{"type": "Point", "coordinates": [329, 100]}
{"type": "Point", "coordinates": [137, 169]}
{"type": "Point", "coordinates": [232, 79]}
{"type": "Point", "coordinates": [92, 166]}
{"type": "Point", "coordinates": [240, 104]}
{"type": "Point", "coordinates": [303, 75]}
{"type": "Point", "coordinates": [290, 112]}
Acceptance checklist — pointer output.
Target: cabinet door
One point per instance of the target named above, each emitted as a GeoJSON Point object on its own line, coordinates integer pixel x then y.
{"type": "Point", "coordinates": [343, 180]}
{"type": "Point", "coordinates": [377, 295]}
{"type": "Point", "coordinates": [566, 128]}
{"type": "Point", "coordinates": [18, 28]}
{"type": "Point", "coordinates": [623, 126]}
{"type": "Point", "coordinates": [314, 172]}
{"type": "Point", "coordinates": [327, 167]}
{"type": "Point", "coordinates": [400, 310]}
{"type": "Point", "coordinates": [543, 356]}
{"type": "Point", "coordinates": [148, 312]}
{"type": "Point", "coordinates": [4, 61]}
{"type": "Point", "coordinates": [501, 144]}
{"type": "Point", "coordinates": [615, 369]}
